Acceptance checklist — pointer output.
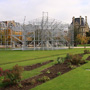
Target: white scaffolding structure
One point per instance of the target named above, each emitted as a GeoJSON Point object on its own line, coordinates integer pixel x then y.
{"type": "Point", "coordinates": [40, 34]}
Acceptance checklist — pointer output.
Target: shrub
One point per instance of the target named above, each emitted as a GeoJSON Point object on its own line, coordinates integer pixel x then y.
{"type": "Point", "coordinates": [6, 81]}
{"type": "Point", "coordinates": [60, 60]}
{"type": "Point", "coordinates": [1, 78]}
{"type": "Point", "coordinates": [76, 59]}
{"type": "Point", "coordinates": [59, 73]}
{"type": "Point", "coordinates": [86, 51]}
{"type": "Point", "coordinates": [6, 71]}
{"type": "Point", "coordinates": [1, 71]}
{"type": "Point", "coordinates": [44, 79]}
{"type": "Point", "coordinates": [69, 56]}
{"type": "Point", "coordinates": [1, 74]}
{"type": "Point", "coordinates": [13, 76]}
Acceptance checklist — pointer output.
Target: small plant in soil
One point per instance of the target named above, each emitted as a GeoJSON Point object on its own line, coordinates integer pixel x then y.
{"type": "Point", "coordinates": [69, 63]}
{"type": "Point", "coordinates": [20, 85]}
{"type": "Point", "coordinates": [41, 63]}
{"type": "Point", "coordinates": [33, 81]}
{"type": "Point", "coordinates": [44, 79]}
{"type": "Point", "coordinates": [48, 71]}
{"type": "Point", "coordinates": [30, 82]}
{"type": "Point", "coordinates": [79, 64]}
{"type": "Point", "coordinates": [86, 51]}
{"type": "Point", "coordinates": [72, 66]}
{"type": "Point", "coordinates": [59, 73]}
{"type": "Point", "coordinates": [60, 60]}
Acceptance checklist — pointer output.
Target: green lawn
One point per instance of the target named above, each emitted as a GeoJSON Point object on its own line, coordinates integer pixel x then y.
{"type": "Point", "coordinates": [14, 56]}
{"type": "Point", "coordinates": [28, 58]}
{"type": "Point", "coordinates": [86, 56]}
{"type": "Point", "coordinates": [87, 45]}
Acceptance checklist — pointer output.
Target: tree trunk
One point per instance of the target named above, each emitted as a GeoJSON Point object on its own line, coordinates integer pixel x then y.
{"type": "Point", "coordinates": [69, 46]}
{"type": "Point", "coordinates": [84, 46]}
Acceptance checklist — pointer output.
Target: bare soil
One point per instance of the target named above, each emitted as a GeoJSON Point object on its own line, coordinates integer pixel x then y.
{"type": "Point", "coordinates": [28, 68]}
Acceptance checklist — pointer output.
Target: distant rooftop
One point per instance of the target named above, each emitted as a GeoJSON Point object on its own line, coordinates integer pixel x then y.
{"type": "Point", "coordinates": [78, 21]}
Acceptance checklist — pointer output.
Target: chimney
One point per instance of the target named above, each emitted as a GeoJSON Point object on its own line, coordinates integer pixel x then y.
{"type": "Point", "coordinates": [85, 19]}
{"type": "Point", "coordinates": [73, 20]}
{"type": "Point", "coordinates": [80, 20]}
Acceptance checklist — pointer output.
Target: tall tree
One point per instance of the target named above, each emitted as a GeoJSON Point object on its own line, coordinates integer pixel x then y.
{"type": "Point", "coordinates": [82, 40]}
{"type": "Point", "coordinates": [76, 32]}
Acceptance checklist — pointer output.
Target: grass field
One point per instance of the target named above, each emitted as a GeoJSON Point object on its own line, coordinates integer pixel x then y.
{"type": "Point", "coordinates": [14, 56]}
{"type": "Point", "coordinates": [75, 79]}
{"type": "Point", "coordinates": [87, 45]}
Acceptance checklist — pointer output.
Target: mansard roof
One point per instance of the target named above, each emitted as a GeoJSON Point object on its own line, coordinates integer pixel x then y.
{"type": "Point", "coordinates": [78, 20]}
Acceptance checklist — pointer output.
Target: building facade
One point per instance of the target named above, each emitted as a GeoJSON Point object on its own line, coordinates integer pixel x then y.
{"type": "Point", "coordinates": [9, 34]}
{"type": "Point", "coordinates": [80, 25]}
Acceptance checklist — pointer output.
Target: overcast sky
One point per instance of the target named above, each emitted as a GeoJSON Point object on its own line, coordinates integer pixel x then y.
{"type": "Point", "coordinates": [62, 10]}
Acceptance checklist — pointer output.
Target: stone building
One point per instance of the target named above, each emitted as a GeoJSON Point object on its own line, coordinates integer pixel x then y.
{"type": "Point", "coordinates": [80, 25]}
